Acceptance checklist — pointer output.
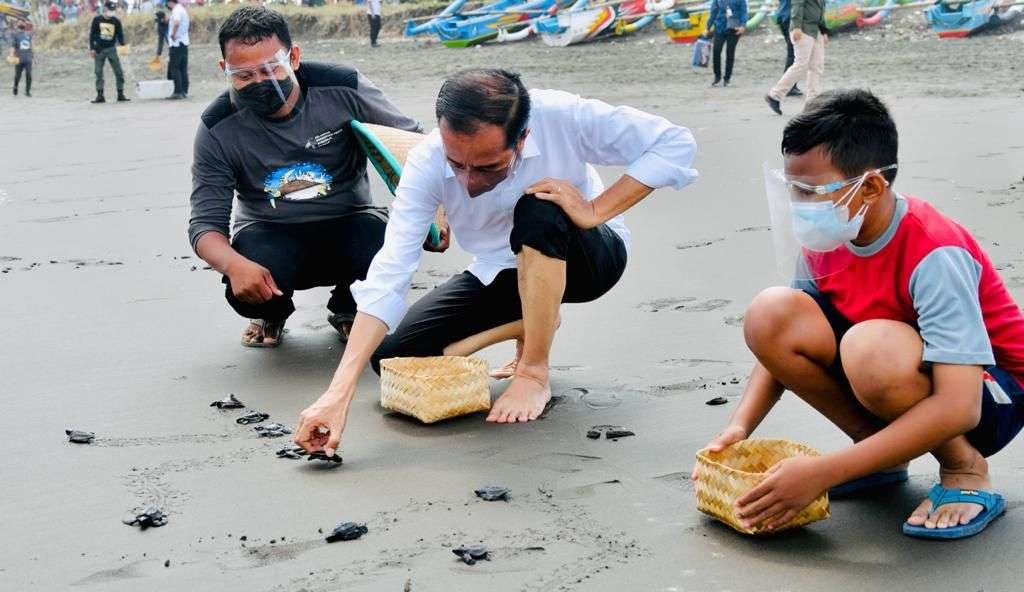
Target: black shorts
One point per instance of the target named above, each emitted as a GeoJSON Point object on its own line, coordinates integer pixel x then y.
{"type": "Point", "coordinates": [1002, 397]}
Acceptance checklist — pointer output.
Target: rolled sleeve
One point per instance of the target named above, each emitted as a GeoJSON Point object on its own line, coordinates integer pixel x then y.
{"type": "Point", "coordinates": [213, 188]}
{"type": "Point", "coordinates": [373, 106]}
{"type": "Point", "coordinates": [944, 288]}
{"type": "Point", "coordinates": [657, 152]}
{"type": "Point", "coordinates": [382, 294]}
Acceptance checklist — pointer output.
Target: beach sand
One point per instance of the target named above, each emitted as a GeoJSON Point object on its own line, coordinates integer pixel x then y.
{"type": "Point", "coordinates": [111, 325]}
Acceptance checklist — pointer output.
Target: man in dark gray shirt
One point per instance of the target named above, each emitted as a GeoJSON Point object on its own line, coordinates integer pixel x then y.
{"type": "Point", "coordinates": [298, 213]}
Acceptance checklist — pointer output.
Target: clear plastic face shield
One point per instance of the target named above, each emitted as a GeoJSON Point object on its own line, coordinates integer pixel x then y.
{"type": "Point", "coordinates": [813, 221]}
{"type": "Point", "coordinates": [265, 88]}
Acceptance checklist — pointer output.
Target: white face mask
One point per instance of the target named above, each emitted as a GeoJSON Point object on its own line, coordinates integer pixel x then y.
{"type": "Point", "coordinates": [823, 226]}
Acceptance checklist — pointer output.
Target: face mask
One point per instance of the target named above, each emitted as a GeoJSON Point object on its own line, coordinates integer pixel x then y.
{"type": "Point", "coordinates": [824, 226]}
{"type": "Point", "coordinates": [266, 97]}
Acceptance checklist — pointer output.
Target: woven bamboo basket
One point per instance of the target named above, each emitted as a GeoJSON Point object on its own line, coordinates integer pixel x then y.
{"type": "Point", "coordinates": [435, 388]}
{"type": "Point", "coordinates": [725, 476]}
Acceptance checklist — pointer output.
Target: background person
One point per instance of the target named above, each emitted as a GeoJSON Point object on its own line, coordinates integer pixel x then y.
{"type": "Point", "coordinates": [177, 48]}
{"type": "Point", "coordinates": [728, 19]}
{"type": "Point", "coordinates": [105, 35]}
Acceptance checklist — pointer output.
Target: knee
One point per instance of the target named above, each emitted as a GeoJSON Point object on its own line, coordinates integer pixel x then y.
{"type": "Point", "coordinates": [768, 316]}
{"type": "Point", "coordinates": [879, 358]}
{"type": "Point", "coordinates": [541, 225]}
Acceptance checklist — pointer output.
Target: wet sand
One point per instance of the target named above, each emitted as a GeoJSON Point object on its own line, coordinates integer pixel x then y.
{"type": "Point", "coordinates": [112, 325]}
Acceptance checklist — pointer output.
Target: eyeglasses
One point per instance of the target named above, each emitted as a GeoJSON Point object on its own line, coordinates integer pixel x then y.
{"type": "Point", "coordinates": [277, 68]}
{"type": "Point", "coordinates": [799, 188]}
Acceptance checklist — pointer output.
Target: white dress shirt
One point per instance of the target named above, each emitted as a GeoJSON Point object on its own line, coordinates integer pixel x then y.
{"type": "Point", "coordinates": [373, 7]}
{"type": "Point", "coordinates": [180, 16]}
{"type": "Point", "coordinates": [567, 134]}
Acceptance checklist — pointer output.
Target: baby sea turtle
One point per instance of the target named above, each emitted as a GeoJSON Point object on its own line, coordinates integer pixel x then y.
{"type": "Point", "coordinates": [294, 451]}
{"type": "Point", "coordinates": [271, 430]}
{"type": "Point", "coordinates": [319, 455]}
{"type": "Point", "coordinates": [470, 555]}
{"type": "Point", "coordinates": [79, 437]}
{"type": "Point", "coordinates": [347, 531]}
{"type": "Point", "coordinates": [151, 516]}
{"type": "Point", "coordinates": [228, 402]}
{"type": "Point", "coordinates": [611, 432]}
{"type": "Point", "coordinates": [493, 493]}
{"type": "Point", "coordinates": [253, 417]}
{"type": "Point", "coordinates": [717, 401]}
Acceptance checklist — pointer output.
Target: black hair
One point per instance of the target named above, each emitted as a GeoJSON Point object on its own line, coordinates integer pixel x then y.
{"type": "Point", "coordinates": [485, 96]}
{"type": "Point", "coordinates": [252, 24]}
{"type": "Point", "coordinates": [852, 126]}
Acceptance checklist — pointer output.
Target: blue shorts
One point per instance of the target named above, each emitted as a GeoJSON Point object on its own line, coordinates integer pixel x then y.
{"type": "Point", "coordinates": [1002, 400]}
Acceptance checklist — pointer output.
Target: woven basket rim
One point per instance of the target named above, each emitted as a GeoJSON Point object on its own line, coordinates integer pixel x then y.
{"type": "Point", "coordinates": [475, 365]}
{"type": "Point", "coordinates": [703, 454]}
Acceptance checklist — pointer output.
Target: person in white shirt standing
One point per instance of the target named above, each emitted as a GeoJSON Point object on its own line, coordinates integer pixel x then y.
{"type": "Point", "coordinates": [177, 47]}
{"type": "Point", "coordinates": [373, 16]}
{"type": "Point", "coordinates": [513, 170]}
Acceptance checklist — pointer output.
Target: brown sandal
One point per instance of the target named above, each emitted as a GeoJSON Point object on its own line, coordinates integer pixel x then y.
{"type": "Point", "coordinates": [268, 333]}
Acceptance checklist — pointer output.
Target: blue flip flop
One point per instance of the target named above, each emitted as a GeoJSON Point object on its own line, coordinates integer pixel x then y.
{"type": "Point", "coordinates": [866, 482]}
{"type": "Point", "coordinates": [993, 506]}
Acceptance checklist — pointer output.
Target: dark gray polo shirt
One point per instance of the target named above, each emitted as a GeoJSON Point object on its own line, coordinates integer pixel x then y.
{"type": "Point", "coordinates": [248, 169]}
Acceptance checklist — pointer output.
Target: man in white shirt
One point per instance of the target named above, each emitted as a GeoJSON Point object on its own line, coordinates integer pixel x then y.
{"type": "Point", "coordinates": [512, 169]}
{"type": "Point", "coordinates": [373, 16]}
{"type": "Point", "coordinates": [177, 47]}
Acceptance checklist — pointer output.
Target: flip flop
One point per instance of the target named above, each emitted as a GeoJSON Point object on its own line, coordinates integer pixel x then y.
{"type": "Point", "coordinates": [993, 506]}
{"type": "Point", "coordinates": [262, 324]}
{"type": "Point", "coordinates": [338, 321]}
{"type": "Point", "coordinates": [872, 481]}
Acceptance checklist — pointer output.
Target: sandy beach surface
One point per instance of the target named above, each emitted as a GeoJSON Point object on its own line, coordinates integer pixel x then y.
{"type": "Point", "coordinates": [111, 325]}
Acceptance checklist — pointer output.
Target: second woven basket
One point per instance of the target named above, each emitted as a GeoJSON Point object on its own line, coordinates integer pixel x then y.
{"type": "Point", "coordinates": [725, 476]}
{"type": "Point", "coordinates": [434, 388]}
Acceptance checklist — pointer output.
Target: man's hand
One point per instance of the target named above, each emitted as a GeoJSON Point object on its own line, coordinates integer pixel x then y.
{"type": "Point", "coordinates": [445, 242]}
{"type": "Point", "coordinates": [741, 30]}
{"type": "Point", "coordinates": [92, 53]}
{"type": "Point", "coordinates": [790, 486]}
{"type": "Point", "coordinates": [795, 35]}
{"type": "Point", "coordinates": [569, 198]}
{"type": "Point", "coordinates": [321, 424]}
{"type": "Point", "coordinates": [723, 440]}
{"type": "Point", "coordinates": [251, 282]}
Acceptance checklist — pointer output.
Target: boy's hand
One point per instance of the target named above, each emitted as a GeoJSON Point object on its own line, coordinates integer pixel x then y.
{"type": "Point", "coordinates": [723, 440]}
{"type": "Point", "coordinates": [790, 486]}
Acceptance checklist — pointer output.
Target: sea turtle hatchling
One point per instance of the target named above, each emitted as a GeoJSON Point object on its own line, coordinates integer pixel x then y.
{"type": "Point", "coordinates": [80, 437]}
{"type": "Point", "coordinates": [346, 531]}
{"type": "Point", "coordinates": [271, 430]}
{"type": "Point", "coordinates": [319, 455]}
{"type": "Point", "coordinates": [611, 432]}
{"type": "Point", "coordinates": [151, 516]}
{"type": "Point", "coordinates": [253, 417]}
{"type": "Point", "coordinates": [228, 402]}
{"type": "Point", "coordinates": [493, 493]}
{"type": "Point", "coordinates": [293, 451]}
{"type": "Point", "coordinates": [470, 555]}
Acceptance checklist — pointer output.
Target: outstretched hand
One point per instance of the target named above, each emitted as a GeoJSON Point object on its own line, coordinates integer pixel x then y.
{"type": "Point", "coordinates": [321, 425]}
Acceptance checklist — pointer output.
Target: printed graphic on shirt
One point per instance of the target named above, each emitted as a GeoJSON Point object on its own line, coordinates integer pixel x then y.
{"type": "Point", "coordinates": [107, 31]}
{"type": "Point", "coordinates": [25, 45]}
{"type": "Point", "coordinates": [298, 182]}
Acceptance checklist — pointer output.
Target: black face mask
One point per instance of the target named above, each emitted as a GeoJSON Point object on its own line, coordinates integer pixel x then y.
{"type": "Point", "coordinates": [262, 98]}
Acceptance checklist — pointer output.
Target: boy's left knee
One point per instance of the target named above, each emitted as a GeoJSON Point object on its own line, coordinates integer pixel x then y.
{"type": "Point", "coordinates": [880, 355]}
{"type": "Point", "coordinates": [540, 225]}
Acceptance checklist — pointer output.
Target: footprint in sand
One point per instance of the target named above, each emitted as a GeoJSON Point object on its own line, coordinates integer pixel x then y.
{"type": "Point", "coordinates": [736, 321]}
{"type": "Point", "coordinates": [707, 305]}
{"type": "Point", "coordinates": [594, 399]}
{"type": "Point", "coordinates": [698, 244]}
{"type": "Point", "coordinates": [663, 303]}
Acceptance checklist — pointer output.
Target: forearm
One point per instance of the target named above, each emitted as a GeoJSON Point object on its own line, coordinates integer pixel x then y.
{"type": "Point", "coordinates": [215, 248]}
{"type": "Point", "coordinates": [367, 334]}
{"type": "Point", "coordinates": [622, 195]}
{"type": "Point", "coordinates": [761, 394]}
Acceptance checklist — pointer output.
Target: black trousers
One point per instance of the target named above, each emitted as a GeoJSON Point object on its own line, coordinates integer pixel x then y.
{"type": "Point", "coordinates": [160, 40]}
{"type": "Point", "coordinates": [25, 67]}
{"type": "Point", "coordinates": [333, 252]}
{"type": "Point", "coordinates": [374, 20]}
{"type": "Point", "coordinates": [729, 39]}
{"type": "Point", "coordinates": [177, 68]}
{"type": "Point", "coordinates": [463, 306]}
{"type": "Point", "coordinates": [790, 56]}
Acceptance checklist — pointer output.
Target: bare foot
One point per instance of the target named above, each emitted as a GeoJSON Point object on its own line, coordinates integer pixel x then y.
{"type": "Point", "coordinates": [509, 370]}
{"type": "Point", "coordinates": [262, 333]}
{"type": "Point", "coordinates": [524, 399]}
{"type": "Point", "coordinates": [973, 475]}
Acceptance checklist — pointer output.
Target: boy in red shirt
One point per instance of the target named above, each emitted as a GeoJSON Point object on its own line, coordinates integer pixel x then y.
{"type": "Point", "coordinates": [898, 329]}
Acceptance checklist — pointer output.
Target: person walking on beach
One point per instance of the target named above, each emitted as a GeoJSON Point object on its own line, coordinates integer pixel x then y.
{"type": "Point", "coordinates": [373, 16]}
{"type": "Point", "coordinates": [106, 34]}
{"type": "Point", "coordinates": [809, 36]}
{"type": "Point", "coordinates": [162, 32]}
{"type": "Point", "coordinates": [269, 211]}
{"type": "Point", "coordinates": [782, 17]}
{"type": "Point", "coordinates": [21, 50]}
{"type": "Point", "coordinates": [177, 49]}
{"type": "Point", "coordinates": [729, 19]}
{"type": "Point", "coordinates": [514, 171]}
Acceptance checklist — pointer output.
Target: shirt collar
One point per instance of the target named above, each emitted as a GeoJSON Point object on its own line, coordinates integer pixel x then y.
{"type": "Point", "coordinates": [530, 150]}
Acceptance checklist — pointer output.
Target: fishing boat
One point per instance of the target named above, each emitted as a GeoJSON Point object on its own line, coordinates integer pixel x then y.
{"type": "Point", "coordinates": [582, 22]}
{"type": "Point", "coordinates": [955, 20]}
{"type": "Point", "coordinates": [416, 27]}
{"type": "Point", "coordinates": [686, 25]}
{"type": "Point", "coordinates": [505, 15]}
{"type": "Point", "coordinates": [866, 20]}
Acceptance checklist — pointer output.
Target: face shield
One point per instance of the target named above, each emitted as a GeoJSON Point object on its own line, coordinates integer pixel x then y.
{"type": "Point", "coordinates": [813, 221]}
{"type": "Point", "coordinates": [264, 89]}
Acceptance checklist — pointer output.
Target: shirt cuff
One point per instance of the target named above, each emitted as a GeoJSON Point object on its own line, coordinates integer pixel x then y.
{"type": "Point", "coordinates": [382, 304]}
{"type": "Point", "coordinates": [656, 172]}
{"type": "Point", "coordinates": [945, 356]}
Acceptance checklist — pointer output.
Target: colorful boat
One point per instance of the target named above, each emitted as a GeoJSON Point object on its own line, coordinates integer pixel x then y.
{"type": "Point", "coordinates": [842, 14]}
{"type": "Point", "coordinates": [582, 23]}
{"type": "Point", "coordinates": [511, 15]}
{"type": "Point", "coordinates": [685, 26]}
{"type": "Point", "coordinates": [415, 27]}
{"type": "Point", "coordinates": [877, 17]}
{"type": "Point", "coordinates": [955, 20]}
